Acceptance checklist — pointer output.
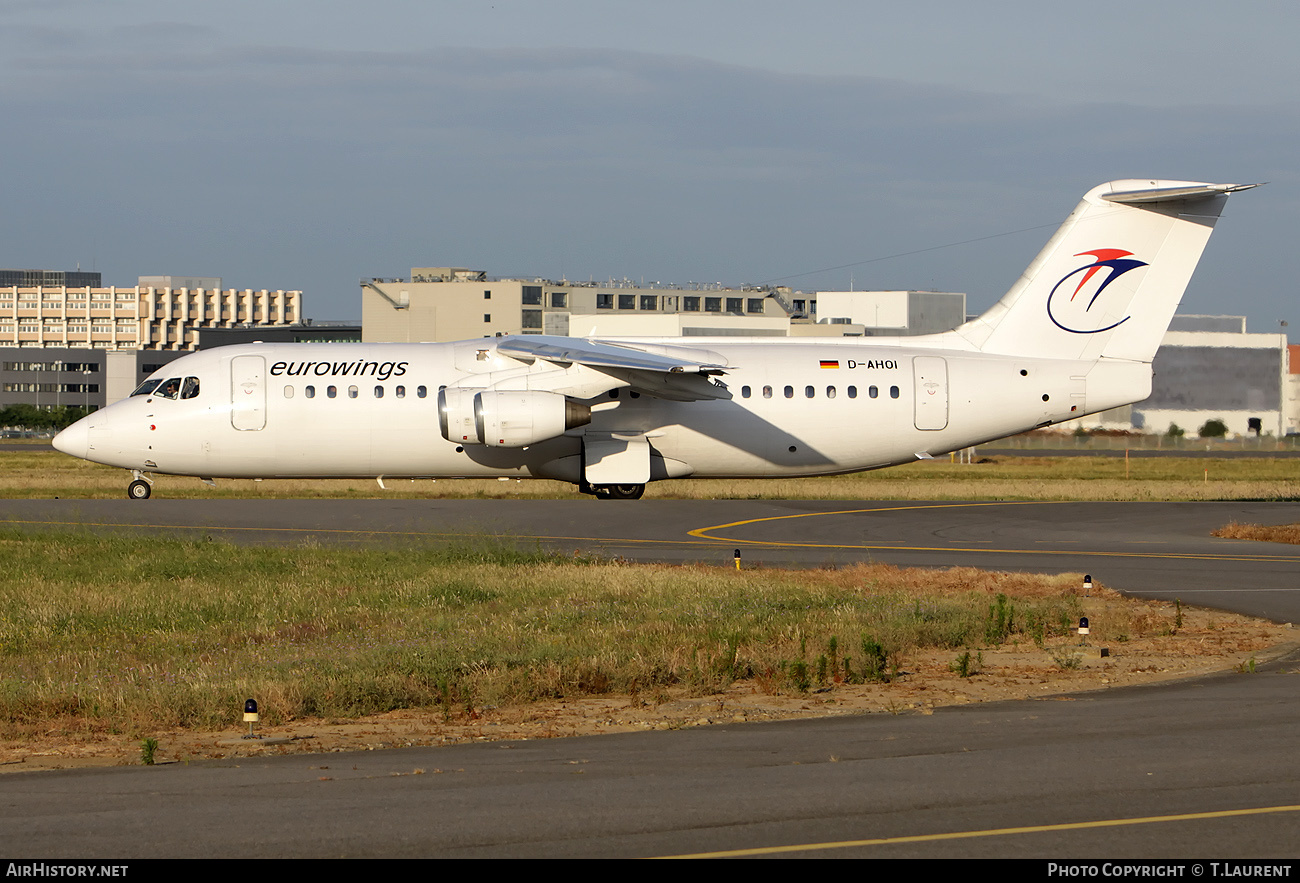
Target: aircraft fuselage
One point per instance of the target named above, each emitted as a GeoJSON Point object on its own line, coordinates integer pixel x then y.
{"type": "Point", "coordinates": [795, 409]}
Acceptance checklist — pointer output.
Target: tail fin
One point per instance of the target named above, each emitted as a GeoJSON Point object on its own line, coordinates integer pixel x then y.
{"type": "Point", "coordinates": [1108, 282]}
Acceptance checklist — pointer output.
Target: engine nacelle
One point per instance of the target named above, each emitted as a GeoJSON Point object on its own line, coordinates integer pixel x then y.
{"type": "Point", "coordinates": [456, 415]}
{"type": "Point", "coordinates": [514, 418]}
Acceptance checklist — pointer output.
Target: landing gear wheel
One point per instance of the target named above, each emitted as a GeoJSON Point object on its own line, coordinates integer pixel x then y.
{"type": "Point", "coordinates": [620, 491]}
{"type": "Point", "coordinates": [138, 490]}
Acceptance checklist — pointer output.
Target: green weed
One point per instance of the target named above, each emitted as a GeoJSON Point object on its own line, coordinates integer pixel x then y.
{"type": "Point", "coordinates": [1066, 657]}
{"type": "Point", "coordinates": [964, 666]}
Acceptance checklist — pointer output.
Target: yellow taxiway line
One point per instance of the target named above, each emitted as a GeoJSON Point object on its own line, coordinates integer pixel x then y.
{"type": "Point", "coordinates": [705, 534]}
{"type": "Point", "coordinates": [991, 832]}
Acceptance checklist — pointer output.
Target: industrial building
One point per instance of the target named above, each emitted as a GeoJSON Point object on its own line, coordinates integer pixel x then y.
{"type": "Point", "coordinates": [1211, 368]}
{"type": "Point", "coordinates": [49, 279]}
{"type": "Point", "coordinates": [892, 313]}
{"type": "Point", "coordinates": [453, 303]}
{"type": "Point", "coordinates": [134, 318]}
{"type": "Point", "coordinates": [62, 345]}
{"type": "Point", "coordinates": [52, 377]}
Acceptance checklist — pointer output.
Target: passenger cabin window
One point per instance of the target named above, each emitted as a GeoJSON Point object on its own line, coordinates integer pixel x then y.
{"type": "Point", "coordinates": [421, 391]}
{"type": "Point", "coordinates": [872, 391]}
{"type": "Point", "coordinates": [310, 392]}
{"type": "Point", "coordinates": [331, 391]}
{"type": "Point", "coordinates": [789, 392]}
{"type": "Point", "coordinates": [893, 392]}
{"type": "Point", "coordinates": [809, 392]}
{"type": "Point", "coordinates": [830, 392]}
{"type": "Point", "coordinates": [400, 392]}
{"type": "Point", "coordinates": [352, 392]}
{"type": "Point", "coordinates": [853, 392]}
{"type": "Point", "coordinates": [767, 392]}
{"type": "Point", "coordinates": [288, 392]}
{"type": "Point", "coordinates": [744, 392]}
{"type": "Point", "coordinates": [379, 392]}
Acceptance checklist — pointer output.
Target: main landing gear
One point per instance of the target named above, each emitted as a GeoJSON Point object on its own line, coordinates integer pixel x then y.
{"type": "Point", "coordinates": [140, 489]}
{"type": "Point", "coordinates": [618, 491]}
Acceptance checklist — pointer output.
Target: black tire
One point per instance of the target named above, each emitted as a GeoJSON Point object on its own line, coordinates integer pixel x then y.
{"type": "Point", "coordinates": [138, 490]}
{"type": "Point", "coordinates": [620, 491]}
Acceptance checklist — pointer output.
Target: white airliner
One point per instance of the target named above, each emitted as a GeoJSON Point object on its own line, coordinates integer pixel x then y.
{"type": "Point", "coordinates": [1075, 335]}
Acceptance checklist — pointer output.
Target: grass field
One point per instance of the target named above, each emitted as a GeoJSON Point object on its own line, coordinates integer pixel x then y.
{"type": "Point", "coordinates": [128, 634]}
{"type": "Point", "coordinates": [46, 473]}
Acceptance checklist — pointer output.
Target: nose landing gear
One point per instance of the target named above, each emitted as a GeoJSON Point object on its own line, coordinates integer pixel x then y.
{"type": "Point", "coordinates": [140, 489]}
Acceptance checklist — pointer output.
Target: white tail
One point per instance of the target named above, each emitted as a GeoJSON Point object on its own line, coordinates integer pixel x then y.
{"type": "Point", "coordinates": [1108, 282]}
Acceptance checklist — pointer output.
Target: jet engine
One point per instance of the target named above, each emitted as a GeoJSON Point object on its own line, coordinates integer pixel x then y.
{"type": "Point", "coordinates": [506, 418]}
{"type": "Point", "coordinates": [456, 415]}
{"type": "Point", "coordinates": [512, 419]}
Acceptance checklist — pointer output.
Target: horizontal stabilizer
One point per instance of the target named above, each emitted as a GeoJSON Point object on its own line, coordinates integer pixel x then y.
{"type": "Point", "coordinates": [1173, 194]}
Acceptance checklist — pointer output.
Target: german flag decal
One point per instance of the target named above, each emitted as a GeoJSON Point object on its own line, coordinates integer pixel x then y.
{"type": "Point", "coordinates": [830, 363]}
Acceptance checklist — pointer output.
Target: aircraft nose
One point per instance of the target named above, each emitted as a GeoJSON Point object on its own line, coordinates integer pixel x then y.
{"type": "Point", "coordinates": [75, 440]}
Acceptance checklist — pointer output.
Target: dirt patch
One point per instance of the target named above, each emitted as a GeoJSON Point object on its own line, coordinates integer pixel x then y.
{"type": "Point", "coordinates": [1264, 533]}
{"type": "Point", "coordinates": [1207, 641]}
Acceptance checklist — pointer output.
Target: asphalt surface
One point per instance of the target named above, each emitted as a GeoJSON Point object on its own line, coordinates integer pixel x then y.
{"type": "Point", "coordinates": [1205, 768]}
{"type": "Point", "coordinates": [1158, 550]}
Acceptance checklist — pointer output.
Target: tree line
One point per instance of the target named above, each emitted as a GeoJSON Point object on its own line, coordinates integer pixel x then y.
{"type": "Point", "coordinates": [32, 418]}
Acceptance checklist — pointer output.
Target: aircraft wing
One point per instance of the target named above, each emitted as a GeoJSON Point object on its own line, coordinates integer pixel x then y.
{"type": "Point", "coordinates": [568, 350]}
{"type": "Point", "coordinates": [676, 377]}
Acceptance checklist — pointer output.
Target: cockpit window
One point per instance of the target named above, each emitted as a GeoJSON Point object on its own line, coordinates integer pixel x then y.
{"type": "Point", "coordinates": [170, 388]}
{"type": "Point", "coordinates": [191, 388]}
{"type": "Point", "coordinates": [145, 388]}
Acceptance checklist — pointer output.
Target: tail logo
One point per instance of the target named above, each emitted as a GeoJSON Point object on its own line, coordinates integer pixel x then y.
{"type": "Point", "coordinates": [1071, 306]}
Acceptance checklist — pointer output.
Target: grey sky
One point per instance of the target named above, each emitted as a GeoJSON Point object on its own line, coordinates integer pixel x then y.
{"type": "Point", "coordinates": [308, 144]}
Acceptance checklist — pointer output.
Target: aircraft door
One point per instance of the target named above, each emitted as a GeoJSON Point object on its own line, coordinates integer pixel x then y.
{"type": "Point", "coordinates": [930, 376]}
{"type": "Point", "coordinates": [248, 392]}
